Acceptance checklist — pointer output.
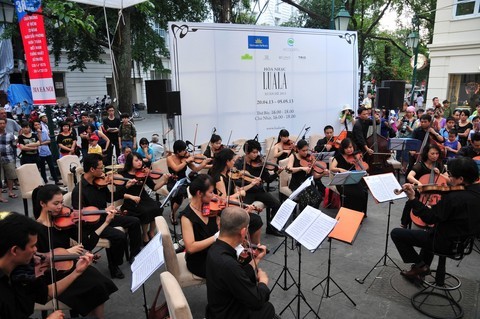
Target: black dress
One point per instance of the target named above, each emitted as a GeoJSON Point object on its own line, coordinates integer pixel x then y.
{"type": "Point", "coordinates": [356, 195]}
{"type": "Point", "coordinates": [182, 190]}
{"type": "Point", "coordinates": [310, 196]}
{"type": "Point", "coordinates": [92, 288]}
{"type": "Point", "coordinates": [147, 208]}
{"type": "Point", "coordinates": [196, 262]}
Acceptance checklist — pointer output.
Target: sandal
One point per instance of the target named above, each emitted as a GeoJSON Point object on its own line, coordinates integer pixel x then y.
{"type": "Point", "coordinates": [3, 200]}
{"type": "Point", "coordinates": [13, 195]}
{"type": "Point", "coordinates": [4, 190]}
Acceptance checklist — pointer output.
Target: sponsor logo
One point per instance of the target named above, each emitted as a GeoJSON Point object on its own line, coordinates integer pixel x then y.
{"type": "Point", "coordinates": [258, 42]}
{"type": "Point", "coordinates": [290, 42]}
{"type": "Point", "coordinates": [246, 56]}
{"type": "Point", "coordinates": [284, 57]}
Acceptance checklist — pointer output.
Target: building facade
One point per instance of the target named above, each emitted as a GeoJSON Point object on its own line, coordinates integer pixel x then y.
{"type": "Point", "coordinates": [455, 53]}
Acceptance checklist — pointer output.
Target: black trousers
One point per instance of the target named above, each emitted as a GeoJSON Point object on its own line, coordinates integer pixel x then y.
{"type": "Point", "coordinates": [29, 159]}
{"type": "Point", "coordinates": [407, 239]}
{"type": "Point", "coordinates": [118, 239]}
{"type": "Point", "coordinates": [49, 160]}
{"type": "Point", "coordinates": [267, 199]}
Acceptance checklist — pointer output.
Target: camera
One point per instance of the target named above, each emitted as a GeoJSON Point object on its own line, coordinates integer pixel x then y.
{"type": "Point", "coordinates": [404, 125]}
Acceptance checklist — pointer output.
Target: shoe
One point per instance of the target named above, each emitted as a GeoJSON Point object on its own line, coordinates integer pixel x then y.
{"type": "Point", "coordinates": [416, 273]}
{"type": "Point", "coordinates": [59, 183]}
{"type": "Point", "coordinates": [115, 272]}
{"type": "Point", "coordinates": [272, 231]}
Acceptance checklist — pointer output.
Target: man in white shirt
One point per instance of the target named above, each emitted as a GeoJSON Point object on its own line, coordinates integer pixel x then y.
{"type": "Point", "coordinates": [8, 109]}
{"type": "Point", "coordinates": [419, 101]}
{"type": "Point", "coordinates": [367, 102]}
{"type": "Point", "coordinates": [156, 147]}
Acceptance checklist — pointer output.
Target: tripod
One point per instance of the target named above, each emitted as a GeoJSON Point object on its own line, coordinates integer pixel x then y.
{"type": "Point", "coordinates": [385, 255]}
{"type": "Point", "coordinates": [329, 278]}
{"type": "Point", "coordinates": [285, 270]}
{"type": "Point", "coordinates": [299, 296]}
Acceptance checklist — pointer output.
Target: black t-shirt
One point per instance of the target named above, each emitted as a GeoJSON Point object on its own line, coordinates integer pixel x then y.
{"type": "Point", "coordinates": [28, 140]}
{"type": "Point", "coordinates": [82, 128]}
{"type": "Point", "coordinates": [65, 141]}
{"type": "Point", "coordinates": [115, 123]}
{"type": "Point", "coordinates": [17, 300]}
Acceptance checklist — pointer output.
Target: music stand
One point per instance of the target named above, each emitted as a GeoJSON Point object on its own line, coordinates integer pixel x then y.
{"type": "Point", "coordinates": [346, 231]}
{"type": "Point", "coordinates": [404, 145]}
{"type": "Point", "coordinates": [324, 156]}
{"type": "Point", "coordinates": [320, 225]}
{"type": "Point", "coordinates": [381, 187]}
{"type": "Point", "coordinates": [346, 178]}
{"type": "Point", "coordinates": [171, 194]}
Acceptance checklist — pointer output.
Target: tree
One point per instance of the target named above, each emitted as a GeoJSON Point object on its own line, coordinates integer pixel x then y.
{"type": "Point", "coordinates": [79, 31]}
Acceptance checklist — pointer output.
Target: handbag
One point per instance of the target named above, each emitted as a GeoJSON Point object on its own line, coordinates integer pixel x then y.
{"type": "Point", "coordinates": [160, 312]}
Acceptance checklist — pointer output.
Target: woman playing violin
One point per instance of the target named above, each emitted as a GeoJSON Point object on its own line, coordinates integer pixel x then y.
{"type": "Point", "coordinates": [88, 294]}
{"type": "Point", "coordinates": [225, 187]}
{"type": "Point", "coordinates": [302, 165]}
{"type": "Point", "coordinates": [284, 146]}
{"type": "Point", "coordinates": [178, 163]}
{"type": "Point", "coordinates": [136, 201]}
{"type": "Point", "coordinates": [214, 146]}
{"type": "Point", "coordinates": [356, 195]}
{"type": "Point", "coordinates": [199, 230]}
{"type": "Point", "coordinates": [431, 159]}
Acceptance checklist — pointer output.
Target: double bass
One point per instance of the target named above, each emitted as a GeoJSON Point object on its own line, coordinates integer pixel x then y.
{"type": "Point", "coordinates": [377, 162]}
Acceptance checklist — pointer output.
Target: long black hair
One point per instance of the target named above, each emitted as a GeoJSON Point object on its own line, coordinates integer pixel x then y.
{"type": "Point", "coordinates": [129, 161]}
{"type": "Point", "coordinates": [220, 161]}
{"type": "Point", "coordinates": [43, 194]}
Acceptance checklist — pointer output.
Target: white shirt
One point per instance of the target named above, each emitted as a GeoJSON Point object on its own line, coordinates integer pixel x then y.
{"type": "Point", "coordinates": [8, 108]}
{"type": "Point", "coordinates": [420, 101]}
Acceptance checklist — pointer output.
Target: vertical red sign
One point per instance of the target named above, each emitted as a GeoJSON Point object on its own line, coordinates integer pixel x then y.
{"type": "Point", "coordinates": [34, 39]}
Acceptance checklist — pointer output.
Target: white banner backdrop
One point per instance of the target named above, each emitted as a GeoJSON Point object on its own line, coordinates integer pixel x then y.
{"type": "Point", "coordinates": [257, 80]}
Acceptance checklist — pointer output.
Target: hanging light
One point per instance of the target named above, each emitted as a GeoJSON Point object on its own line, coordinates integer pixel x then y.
{"type": "Point", "coordinates": [342, 19]}
{"type": "Point", "coordinates": [7, 10]}
{"type": "Point", "coordinates": [413, 39]}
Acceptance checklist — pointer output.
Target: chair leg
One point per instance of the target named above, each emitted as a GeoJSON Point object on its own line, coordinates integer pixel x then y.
{"type": "Point", "coordinates": [25, 206]}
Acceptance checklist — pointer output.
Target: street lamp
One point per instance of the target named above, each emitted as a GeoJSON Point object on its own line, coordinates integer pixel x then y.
{"type": "Point", "coordinates": [412, 42]}
{"type": "Point", "coordinates": [342, 19]}
{"type": "Point", "coordinates": [7, 10]}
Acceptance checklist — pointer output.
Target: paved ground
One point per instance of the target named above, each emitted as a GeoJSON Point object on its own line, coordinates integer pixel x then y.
{"type": "Point", "coordinates": [383, 295]}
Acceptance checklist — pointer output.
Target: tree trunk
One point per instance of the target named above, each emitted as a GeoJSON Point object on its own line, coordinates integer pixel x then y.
{"type": "Point", "coordinates": [124, 63]}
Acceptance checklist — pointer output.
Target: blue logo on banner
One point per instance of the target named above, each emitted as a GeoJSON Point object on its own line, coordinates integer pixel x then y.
{"type": "Point", "coordinates": [258, 42]}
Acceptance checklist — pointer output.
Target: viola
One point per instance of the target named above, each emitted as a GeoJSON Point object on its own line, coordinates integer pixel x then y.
{"type": "Point", "coordinates": [249, 252]}
{"type": "Point", "coordinates": [217, 204]}
{"type": "Point", "coordinates": [357, 161]}
{"type": "Point", "coordinates": [106, 180]}
{"type": "Point", "coordinates": [143, 173]}
{"type": "Point", "coordinates": [310, 161]}
{"type": "Point", "coordinates": [335, 141]}
{"type": "Point", "coordinates": [198, 159]}
{"type": "Point", "coordinates": [68, 217]}
{"type": "Point", "coordinates": [433, 188]}
{"type": "Point", "coordinates": [62, 260]}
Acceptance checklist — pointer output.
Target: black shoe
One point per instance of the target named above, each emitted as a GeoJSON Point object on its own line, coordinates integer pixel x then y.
{"type": "Point", "coordinates": [272, 231]}
{"type": "Point", "coordinates": [416, 273]}
{"type": "Point", "coordinates": [115, 272]}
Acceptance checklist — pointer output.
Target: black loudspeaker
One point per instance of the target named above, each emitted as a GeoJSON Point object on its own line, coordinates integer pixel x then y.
{"type": "Point", "coordinates": [382, 98]}
{"type": "Point", "coordinates": [156, 95]}
{"type": "Point", "coordinates": [173, 103]}
{"type": "Point", "coordinates": [397, 93]}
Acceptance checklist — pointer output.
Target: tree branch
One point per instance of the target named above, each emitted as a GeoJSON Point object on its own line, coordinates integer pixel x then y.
{"type": "Point", "coordinates": [377, 20]}
{"type": "Point", "coordinates": [310, 13]}
{"type": "Point", "coordinates": [392, 42]}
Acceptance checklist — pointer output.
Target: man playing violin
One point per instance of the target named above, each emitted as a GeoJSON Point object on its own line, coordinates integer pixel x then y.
{"type": "Point", "coordinates": [99, 197]}
{"type": "Point", "coordinates": [235, 291]}
{"type": "Point", "coordinates": [253, 165]}
{"type": "Point", "coordinates": [326, 144]}
{"type": "Point", "coordinates": [455, 217]}
{"type": "Point", "coordinates": [19, 287]}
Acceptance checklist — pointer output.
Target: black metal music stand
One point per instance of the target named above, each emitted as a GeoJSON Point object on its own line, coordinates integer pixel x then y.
{"type": "Point", "coordinates": [299, 296]}
{"type": "Point", "coordinates": [385, 254]}
{"type": "Point", "coordinates": [346, 178]}
{"type": "Point", "coordinates": [285, 271]}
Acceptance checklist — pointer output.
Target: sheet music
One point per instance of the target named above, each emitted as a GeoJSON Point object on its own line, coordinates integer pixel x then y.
{"type": "Point", "coordinates": [304, 185]}
{"type": "Point", "coordinates": [311, 227]}
{"type": "Point", "coordinates": [283, 214]}
{"type": "Point", "coordinates": [147, 262]}
{"type": "Point", "coordinates": [382, 186]}
{"type": "Point", "coordinates": [174, 190]}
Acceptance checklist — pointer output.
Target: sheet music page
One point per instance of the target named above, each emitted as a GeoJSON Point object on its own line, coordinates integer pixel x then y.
{"type": "Point", "coordinates": [174, 190]}
{"type": "Point", "coordinates": [304, 185]}
{"type": "Point", "coordinates": [382, 186]}
{"type": "Point", "coordinates": [283, 214]}
{"type": "Point", "coordinates": [339, 178]}
{"type": "Point", "coordinates": [302, 222]}
{"type": "Point", "coordinates": [318, 231]}
{"type": "Point", "coordinates": [147, 262]}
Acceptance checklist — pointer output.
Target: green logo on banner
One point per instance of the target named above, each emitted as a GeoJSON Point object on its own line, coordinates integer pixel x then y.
{"type": "Point", "coordinates": [290, 42]}
{"type": "Point", "coordinates": [247, 56]}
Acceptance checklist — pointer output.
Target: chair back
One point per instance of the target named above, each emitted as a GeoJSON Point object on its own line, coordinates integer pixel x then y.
{"type": "Point", "coordinates": [239, 149]}
{"type": "Point", "coordinates": [313, 139]}
{"type": "Point", "coordinates": [178, 307]}
{"type": "Point", "coordinates": [462, 247]}
{"type": "Point", "coordinates": [64, 165]}
{"type": "Point", "coordinates": [270, 142]}
{"type": "Point", "coordinates": [169, 254]}
{"type": "Point", "coordinates": [29, 178]}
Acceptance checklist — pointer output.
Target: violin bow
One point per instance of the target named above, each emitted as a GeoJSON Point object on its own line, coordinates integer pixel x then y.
{"type": "Point", "coordinates": [80, 211]}
{"type": "Point", "coordinates": [265, 161]}
{"type": "Point", "coordinates": [113, 172]}
{"type": "Point", "coordinates": [195, 139]}
{"type": "Point", "coordinates": [298, 136]}
{"type": "Point", "coordinates": [255, 268]}
{"type": "Point", "coordinates": [143, 186]}
{"type": "Point", "coordinates": [229, 137]}
{"type": "Point", "coordinates": [52, 273]}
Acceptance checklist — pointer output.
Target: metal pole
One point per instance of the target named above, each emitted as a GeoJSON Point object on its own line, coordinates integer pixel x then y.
{"type": "Point", "coordinates": [51, 132]}
{"type": "Point", "coordinates": [332, 22]}
{"type": "Point", "coordinates": [414, 78]}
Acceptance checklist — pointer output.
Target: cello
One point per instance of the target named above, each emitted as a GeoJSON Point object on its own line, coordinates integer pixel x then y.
{"type": "Point", "coordinates": [377, 162]}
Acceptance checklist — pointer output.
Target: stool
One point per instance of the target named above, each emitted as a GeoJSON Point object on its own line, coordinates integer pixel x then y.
{"type": "Point", "coordinates": [439, 289]}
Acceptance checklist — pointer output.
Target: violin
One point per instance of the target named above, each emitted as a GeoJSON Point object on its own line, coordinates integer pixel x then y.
{"type": "Point", "coordinates": [260, 161]}
{"type": "Point", "coordinates": [432, 188]}
{"type": "Point", "coordinates": [106, 180]}
{"type": "Point", "coordinates": [62, 261]}
{"type": "Point", "coordinates": [310, 161]}
{"type": "Point", "coordinates": [357, 161]}
{"type": "Point", "coordinates": [68, 217]}
{"type": "Point", "coordinates": [250, 251]}
{"type": "Point", "coordinates": [288, 145]}
{"type": "Point", "coordinates": [217, 204]}
{"type": "Point", "coordinates": [143, 173]}
{"type": "Point", "coordinates": [335, 141]}
{"type": "Point", "coordinates": [237, 174]}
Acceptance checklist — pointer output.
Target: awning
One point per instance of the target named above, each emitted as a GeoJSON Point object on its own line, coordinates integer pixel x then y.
{"type": "Point", "coordinates": [116, 4]}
